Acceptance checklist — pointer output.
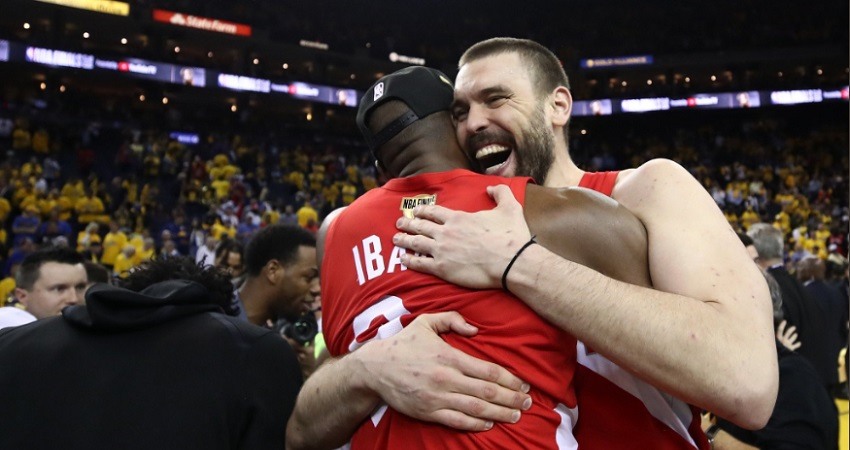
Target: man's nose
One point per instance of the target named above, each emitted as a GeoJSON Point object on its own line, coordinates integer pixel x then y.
{"type": "Point", "coordinates": [477, 119]}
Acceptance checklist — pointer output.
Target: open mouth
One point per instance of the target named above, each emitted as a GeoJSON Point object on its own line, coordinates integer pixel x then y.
{"type": "Point", "coordinates": [492, 157]}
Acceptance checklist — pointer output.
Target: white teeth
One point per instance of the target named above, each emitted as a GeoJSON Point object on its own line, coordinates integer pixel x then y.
{"type": "Point", "coordinates": [489, 150]}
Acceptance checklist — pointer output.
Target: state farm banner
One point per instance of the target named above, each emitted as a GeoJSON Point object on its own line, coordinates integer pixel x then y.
{"type": "Point", "coordinates": [201, 23]}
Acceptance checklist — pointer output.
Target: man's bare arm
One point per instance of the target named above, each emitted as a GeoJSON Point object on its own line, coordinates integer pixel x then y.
{"type": "Point", "coordinates": [417, 374]}
{"type": "Point", "coordinates": [705, 335]}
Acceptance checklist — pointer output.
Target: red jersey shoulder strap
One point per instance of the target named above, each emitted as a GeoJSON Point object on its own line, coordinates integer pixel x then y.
{"type": "Point", "coordinates": [602, 182]}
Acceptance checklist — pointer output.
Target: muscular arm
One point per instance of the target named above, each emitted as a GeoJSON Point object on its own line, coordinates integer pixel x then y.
{"type": "Point", "coordinates": [705, 335]}
{"type": "Point", "coordinates": [587, 228]}
{"type": "Point", "coordinates": [415, 372]}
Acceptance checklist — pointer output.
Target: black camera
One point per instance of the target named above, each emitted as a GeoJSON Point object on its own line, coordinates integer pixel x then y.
{"type": "Point", "coordinates": [303, 330]}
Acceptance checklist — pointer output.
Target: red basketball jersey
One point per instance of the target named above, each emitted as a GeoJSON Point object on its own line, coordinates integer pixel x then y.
{"type": "Point", "coordinates": [368, 294]}
{"type": "Point", "coordinates": [618, 410]}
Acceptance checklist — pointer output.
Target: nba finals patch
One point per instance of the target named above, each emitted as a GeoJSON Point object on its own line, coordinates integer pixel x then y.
{"type": "Point", "coordinates": [408, 203]}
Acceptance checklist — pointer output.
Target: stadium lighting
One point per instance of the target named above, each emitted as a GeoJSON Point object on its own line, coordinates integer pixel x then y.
{"type": "Point", "coordinates": [368, 45]}
{"type": "Point", "coordinates": [713, 78]}
{"type": "Point", "coordinates": [687, 79]}
{"type": "Point", "coordinates": [26, 25]}
{"type": "Point", "coordinates": [256, 61]}
{"type": "Point", "coordinates": [780, 74]}
{"type": "Point", "coordinates": [210, 54]}
{"type": "Point", "coordinates": [164, 100]}
{"type": "Point", "coordinates": [233, 108]}
{"type": "Point", "coordinates": [353, 76]}
{"type": "Point", "coordinates": [624, 84]}
{"type": "Point", "coordinates": [141, 97]}
{"type": "Point", "coordinates": [86, 35]}
{"type": "Point", "coordinates": [62, 88]}
{"type": "Point", "coordinates": [124, 41]}
{"type": "Point", "coordinates": [43, 85]}
{"type": "Point", "coordinates": [583, 131]}
{"type": "Point", "coordinates": [820, 71]}
{"type": "Point", "coordinates": [649, 82]}
{"type": "Point", "coordinates": [309, 116]}
{"type": "Point", "coordinates": [285, 66]}
{"type": "Point", "coordinates": [176, 49]}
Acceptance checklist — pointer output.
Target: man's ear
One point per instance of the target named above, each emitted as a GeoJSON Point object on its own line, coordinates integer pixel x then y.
{"type": "Point", "coordinates": [274, 271]}
{"type": "Point", "coordinates": [562, 106]}
{"type": "Point", "coordinates": [21, 296]}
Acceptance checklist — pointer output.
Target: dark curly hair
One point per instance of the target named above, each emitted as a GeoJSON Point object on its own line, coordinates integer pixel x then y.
{"type": "Point", "coordinates": [183, 268]}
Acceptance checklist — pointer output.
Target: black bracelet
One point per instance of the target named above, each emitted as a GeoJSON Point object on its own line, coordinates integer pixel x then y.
{"type": "Point", "coordinates": [510, 264]}
{"type": "Point", "coordinates": [711, 434]}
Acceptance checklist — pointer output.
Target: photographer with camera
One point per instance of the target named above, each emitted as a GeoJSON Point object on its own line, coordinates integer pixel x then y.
{"type": "Point", "coordinates": [280, 266]}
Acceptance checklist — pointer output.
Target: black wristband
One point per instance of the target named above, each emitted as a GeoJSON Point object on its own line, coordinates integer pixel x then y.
{"type": "Point", "coordinates": [711, 434]}
{"type": "Point", "coordinates": [510, 264]}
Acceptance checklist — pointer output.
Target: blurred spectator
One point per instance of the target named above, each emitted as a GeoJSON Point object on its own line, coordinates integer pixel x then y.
{"type": "Point", "coordinates": [88, 236]}
{"type": "Point", "coordinates": [113, 244]}
{"type": "Point", "coordinates": [96, 273]}
{"type": "Point", "coordinates": [47, 281]}
{"type": "Point", "coordinates": [25, 226]}
{"type": "Point", "coordinates": [124, 262]}
{"type": "Point", "coordinates": [206, 253]}
{"type": "Point", "coordinates": [811, 271]}
{"type": "Point", "coordinates": [798, 308]}
{"type": "Point", "coordinates": [804, 415]}
{"type": "Point", "coordinates": [306, 214]}
{"type": "Point", "coordinates": [161, 348]}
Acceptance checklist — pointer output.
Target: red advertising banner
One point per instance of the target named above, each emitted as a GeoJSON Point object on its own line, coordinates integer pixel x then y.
{"type": "Point", "coordinates": [201, 23]}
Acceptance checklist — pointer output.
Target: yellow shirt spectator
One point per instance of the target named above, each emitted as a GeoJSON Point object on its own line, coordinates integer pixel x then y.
{"type": "Point", "coordinates": [30, 169]}
{"type": "Point", "coordinates": [748, 218]}
{"type": "Point", "coordinates": [21, 139]}
{"type": "Point", "coordinates": [349, 193]}
{"type": "Point", "coordinates": [88, 237]}
{"type": "Point", "coordinates": [369, 183]}
{"type": "Point", "coordinates": [7, 286]}
{"type": "Point", "coordinates": [124, 262]}
{"type": "Point", "coordinates": [5, 209]}
{"type": "Point", "coordinates": [65, 207]}
{"type": "Point", "coordinates": [132, 189]}
{"type": "Point", "coordinates": [221, 188]}
{"type": "Point", "coordinates": [74, 190]}
{"type": "Point", "coordinates": [90, 209]}
{"type": "Point", "coordinates": [113, 243]}
{"type": "Point", "coordinates": [305, 213]}
{"type": "Point", "coordinates": [41, 141]}
{"type": "Point", "coordinates": [220, 230]}
{"type": "Point", "coordinates": [296, 179]}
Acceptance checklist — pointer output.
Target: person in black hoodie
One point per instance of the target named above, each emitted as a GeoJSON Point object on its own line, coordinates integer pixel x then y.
{"type": "Point", "coordinates": [157, 363]}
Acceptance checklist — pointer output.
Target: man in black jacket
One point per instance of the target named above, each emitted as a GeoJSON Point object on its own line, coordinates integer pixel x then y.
{"type": "Point", "coordinates": [797, 307]}
{"type": "Point", "coordinates": [153, 364]}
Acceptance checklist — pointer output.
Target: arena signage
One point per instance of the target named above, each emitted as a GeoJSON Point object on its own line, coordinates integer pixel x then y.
{"type": "Point", "coordinates": [101, 6]}
{"type": "Point", "coordinates": [240, 83]}
{"type": "Point", "coordinates": [201, 23]}
{"type": "Point", "coordinates": [4, 50]}
{"type": "Point", "coordinates": [59, 58]}
{"type": "Point", "coordinates": [645, 104]}
{"type": "Point", "coordinates": [796, 97]}
{"type": "Point", "coordinates": [395, 57]}
{"type": "Point", "coordinates": [619, 61]}
{"type": "Point", "coordinates": [313, 44]}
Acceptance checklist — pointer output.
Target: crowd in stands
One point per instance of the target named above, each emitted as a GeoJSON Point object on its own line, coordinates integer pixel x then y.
{"type": "Point", "coordinates": [127, 194]}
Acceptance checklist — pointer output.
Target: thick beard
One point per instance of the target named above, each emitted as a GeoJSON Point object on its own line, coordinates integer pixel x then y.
{"type": "Point", "coordinates": [537, 154]}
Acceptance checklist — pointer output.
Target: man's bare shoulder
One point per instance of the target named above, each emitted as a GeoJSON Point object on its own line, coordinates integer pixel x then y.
{"type": "Point", "coordinates": [653, 181]}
